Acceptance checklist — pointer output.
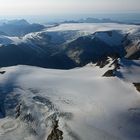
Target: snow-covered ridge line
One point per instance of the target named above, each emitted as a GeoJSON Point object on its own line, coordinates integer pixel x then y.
{"type": "Point", "coordinates": [82, 28]}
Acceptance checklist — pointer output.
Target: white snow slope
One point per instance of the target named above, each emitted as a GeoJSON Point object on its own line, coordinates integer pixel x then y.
{"type": "Point", "coordinates": [87, 105]}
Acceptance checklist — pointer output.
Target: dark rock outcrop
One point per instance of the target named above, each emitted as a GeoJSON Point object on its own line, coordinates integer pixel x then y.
{"type": "Point", "coordinates": [56, 134]}
{"type": "Point", "coordinates": [2, 72]}
{"type": "Point", "coordinates": [137, 85]}
{"type": "Point", "coordinates": [109, 73]}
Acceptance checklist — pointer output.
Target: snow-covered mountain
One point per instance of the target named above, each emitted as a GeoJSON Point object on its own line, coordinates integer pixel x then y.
{"type": "Point", "coordinates": [69, 45]}
{"type": "Point", "coordinates": [96, 100]}
{"type": "Point", "coordinates": [76, 104]}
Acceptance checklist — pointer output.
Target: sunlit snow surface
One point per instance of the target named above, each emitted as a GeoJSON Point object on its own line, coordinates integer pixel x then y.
{"type": "Point", "coordinates": [72, 31]}
{"type": "Point", "coordinates": [93, 27]}
{"type": "Point", "coordinates": [87, 105]}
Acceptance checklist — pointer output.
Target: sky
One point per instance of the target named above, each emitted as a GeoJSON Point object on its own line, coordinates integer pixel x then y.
{"type": "Point", "coordinates": [60, 7]}
{"type": "Point", "coordinates": [59, 10]}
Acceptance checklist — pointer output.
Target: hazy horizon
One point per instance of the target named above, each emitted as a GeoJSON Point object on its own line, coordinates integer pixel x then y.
{"type": "Point", "coordinates": [58, 10]}
{"type": "Point", "coordinates": [124, 17]}
{"type": "Point", "coordinates": [60, 7]}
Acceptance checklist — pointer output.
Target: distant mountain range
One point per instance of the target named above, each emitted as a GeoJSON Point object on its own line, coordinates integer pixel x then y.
{"type": "Point", "coordinates": [91, 20]}
{"type": "Point", "coordinates": [18, 27]}
{"type": "Point", "coordinates": [97, 20]}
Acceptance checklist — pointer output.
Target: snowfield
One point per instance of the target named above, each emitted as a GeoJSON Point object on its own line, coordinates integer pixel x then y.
{"type": "Point", "coordinates": [93, 27]}
{"type": "Point", "coordinates": [87, 105]}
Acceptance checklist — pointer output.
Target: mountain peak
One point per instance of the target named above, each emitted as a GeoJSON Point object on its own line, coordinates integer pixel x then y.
{"type": "Point", "coordinates": [18, 22]}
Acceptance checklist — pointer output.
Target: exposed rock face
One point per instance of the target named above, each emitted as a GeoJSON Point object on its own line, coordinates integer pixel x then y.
{"type": "Point", "coordinates": [133, 50]}
{"type": "Point", "coordinates": [2, 72]}
{"type": "Point", "coordinates": [109, 73]}
{"type": "Point", "coordinates": [115, 64]}
{"type": "Point", "coordinates": [137, 85]}
{"type": "Point", "coordinates": [18, 110]}
{"type": "Point", "coordinates": [56, 134]}
{"type": "Point", "coordinates": [102, 62]}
